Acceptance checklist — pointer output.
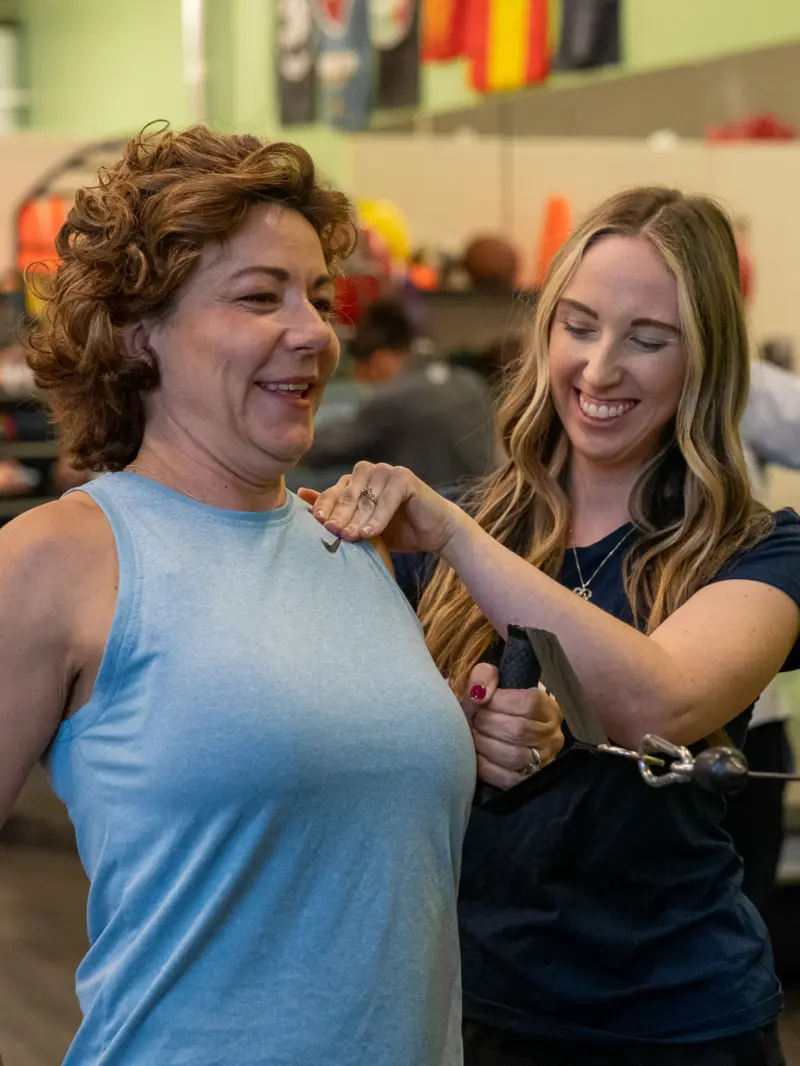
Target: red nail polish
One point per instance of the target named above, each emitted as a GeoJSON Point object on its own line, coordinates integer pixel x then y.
{"type": "Point", "coordinates": [477, 692]}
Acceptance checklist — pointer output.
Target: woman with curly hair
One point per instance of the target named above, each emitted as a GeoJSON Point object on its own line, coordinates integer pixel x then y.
{"type": "Point", "coordinates": [268, 777]}
{"type": "Point", "coordinates": [603, 923]}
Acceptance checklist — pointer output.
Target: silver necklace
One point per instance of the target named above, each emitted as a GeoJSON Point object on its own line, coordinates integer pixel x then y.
{"type": "Point", "coordinates": [165, 480]}
{"type": "Point", "coordinates": [583, 589]}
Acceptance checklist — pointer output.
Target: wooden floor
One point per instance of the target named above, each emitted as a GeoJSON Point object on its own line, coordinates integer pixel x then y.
{"type": "Point", "coordinates": [42, 939]}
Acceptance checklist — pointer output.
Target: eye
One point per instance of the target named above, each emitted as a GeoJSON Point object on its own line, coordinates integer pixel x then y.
{"type": "Point", "coordinates": [263, 298]}
{"type": "Point", "coordinates": [645, 345]}
{"type": "Point", "coordinates": [324, 307]}
{"type": "Point", "coordinates": [581, 332]}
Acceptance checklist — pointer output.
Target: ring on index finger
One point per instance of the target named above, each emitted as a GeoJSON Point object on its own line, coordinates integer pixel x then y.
{"type": "Point", "coordinates": [370, 493]}
{"type": "Point", "coordinates": [534, 766]}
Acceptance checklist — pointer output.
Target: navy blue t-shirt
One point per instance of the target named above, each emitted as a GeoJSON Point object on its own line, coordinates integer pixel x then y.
{"type": "Point", "coordinates": [604, 911]}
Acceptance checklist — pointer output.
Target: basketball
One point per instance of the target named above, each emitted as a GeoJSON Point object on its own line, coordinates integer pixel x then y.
{"type": "Point", "coordinates": [491, 262]}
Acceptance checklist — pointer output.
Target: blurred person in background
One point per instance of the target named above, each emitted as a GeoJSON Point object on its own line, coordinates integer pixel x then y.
{"type": "Point", "coordinates": [603, 922]}
{"type": "Point", "coordinates": [425, 414]}
{"type": "Point", "coordinates": [493, 363]}
{"type": "Point", "coordinates": [269, 803]}
{"type": "Point", "coordinates": [755, 819]}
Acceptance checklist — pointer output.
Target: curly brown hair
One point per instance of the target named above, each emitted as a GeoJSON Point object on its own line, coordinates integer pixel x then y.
{"type": "Point", "coordinates": [127, 247]}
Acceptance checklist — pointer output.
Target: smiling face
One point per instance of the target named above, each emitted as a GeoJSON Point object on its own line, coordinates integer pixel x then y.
{"type": "Point", "coordinates": [616, 358]}
{"type": "Point", "coordinates": [248, 347]}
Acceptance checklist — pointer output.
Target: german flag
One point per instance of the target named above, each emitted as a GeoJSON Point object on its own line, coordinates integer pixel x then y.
{"type": "Point", "coordinates": [507, 44]}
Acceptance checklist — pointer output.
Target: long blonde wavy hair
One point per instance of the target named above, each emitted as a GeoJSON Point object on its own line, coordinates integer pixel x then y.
{"type": "Point", "coordinates": [692, 501]}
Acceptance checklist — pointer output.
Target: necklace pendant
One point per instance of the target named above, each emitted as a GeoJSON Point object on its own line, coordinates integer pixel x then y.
{"type": "Point", "coordinates": [583, 592]}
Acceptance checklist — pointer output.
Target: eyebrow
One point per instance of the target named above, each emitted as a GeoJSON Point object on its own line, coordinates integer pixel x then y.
{"type": "Point", "coordinates": [578, 306]}
{"type": "Point", "coordinates": [281, 275]}
{"type": "Point", "coordinates": [659, 325]}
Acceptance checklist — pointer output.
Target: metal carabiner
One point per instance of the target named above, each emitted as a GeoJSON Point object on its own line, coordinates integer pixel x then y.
{"type": "Point", "coordinates": [680, 762]}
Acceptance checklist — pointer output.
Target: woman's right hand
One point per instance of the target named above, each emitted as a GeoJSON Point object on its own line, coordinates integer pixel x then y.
{"type": "Point", "coordinates": [400, 508]}
{"type": "Point", "coordinates": [508, 725]}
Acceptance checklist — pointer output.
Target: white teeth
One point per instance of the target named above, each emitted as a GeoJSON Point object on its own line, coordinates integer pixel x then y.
{"type": "Point", "coordinates": [283, 388]}
{"type": "Point", "coordinates": [604, 411]}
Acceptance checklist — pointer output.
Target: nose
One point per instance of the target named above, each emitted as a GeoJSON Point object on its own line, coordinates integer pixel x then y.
{"type": "Point", "coordinates": [602, 368]}
{"type": "Point", "coordinates": [307, 331]}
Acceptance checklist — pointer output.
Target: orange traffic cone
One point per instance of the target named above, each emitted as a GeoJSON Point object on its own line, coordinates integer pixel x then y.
{"type": "Point", "coordinates": [556, 228]}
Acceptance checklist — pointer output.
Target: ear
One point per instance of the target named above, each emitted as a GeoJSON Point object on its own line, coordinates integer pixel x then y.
{"type": "Point", "coordinates": [136, 342]}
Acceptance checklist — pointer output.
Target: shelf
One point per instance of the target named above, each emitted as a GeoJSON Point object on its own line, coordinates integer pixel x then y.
{"type": "Point", "coordinates": [29, 449]}
{"type": "Point", "coordinates": [468, 296]}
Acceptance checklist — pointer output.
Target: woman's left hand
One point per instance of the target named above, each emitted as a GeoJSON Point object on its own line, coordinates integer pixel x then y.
{"type": "Point", "coordinates": [508, 726]}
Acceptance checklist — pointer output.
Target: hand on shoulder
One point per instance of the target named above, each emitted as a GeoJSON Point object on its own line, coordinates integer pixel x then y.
{"type": "Point", "coordinates": [390, 502]}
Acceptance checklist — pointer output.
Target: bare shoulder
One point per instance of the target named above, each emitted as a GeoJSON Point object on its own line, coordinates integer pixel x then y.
{"type": "Point", "coordinates": [48, 551]}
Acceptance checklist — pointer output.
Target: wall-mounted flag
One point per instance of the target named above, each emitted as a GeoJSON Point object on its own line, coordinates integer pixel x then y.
{"type": "Point", "coordinates": [296, 59]}
{"type": "Point", "coordinates": [507, 44]}
{"type": "Point", "coordinates": [589, 34]}
{"type": "Point", "coordinates": [345, 62]}
{"type": "Point", "coordinates": [394, 31]}
{"type": "Point", "coordinates": [443, 24]}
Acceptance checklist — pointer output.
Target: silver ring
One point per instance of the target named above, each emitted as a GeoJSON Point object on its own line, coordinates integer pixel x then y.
{"type": "Point", "coordinates": [370, 493]}
{"type": "Point", "coordinates": [534, 766]}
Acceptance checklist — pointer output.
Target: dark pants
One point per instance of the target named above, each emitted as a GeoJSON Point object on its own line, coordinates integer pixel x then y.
{"type": "Point", "coordinates": [755, 817]}
{"type": "Point", "coordinates": [484, 1046]}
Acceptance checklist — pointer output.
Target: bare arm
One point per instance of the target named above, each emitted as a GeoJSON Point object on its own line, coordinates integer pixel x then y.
{"type": "Point", "coordinates": [707, 663]}
{"type": "Point", "coordinates": [40, 557]}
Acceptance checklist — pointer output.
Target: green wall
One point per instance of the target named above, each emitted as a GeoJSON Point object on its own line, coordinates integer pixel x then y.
{"type": "Point", "coordinates": [105, 68]}
{"type": "Point", "coordinates": [662, 33]}
{"type": "Point", "coordinates": [101, 68]}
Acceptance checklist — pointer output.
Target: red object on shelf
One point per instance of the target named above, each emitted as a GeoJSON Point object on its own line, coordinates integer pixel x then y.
{"type": "Point", "coordinates": [8, 428]}
{"type": "Point", "coordinates": [754, 128]}
{"type": "Point", "coordinates": [369, 274]}
{"type": "Point", "coordinates": [353, 293]}
{"type": "Point", "coordinates": [38, 224]}
{"type": "Point", "coordinates": [424, 276]}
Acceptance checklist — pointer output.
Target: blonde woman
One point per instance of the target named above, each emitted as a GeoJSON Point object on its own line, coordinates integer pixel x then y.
{"type": "Point", "coordinates": [603, 922]}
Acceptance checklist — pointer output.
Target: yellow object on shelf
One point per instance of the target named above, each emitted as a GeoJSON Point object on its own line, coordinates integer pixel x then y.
{"type": "Point", "coordinates": [385, 218]}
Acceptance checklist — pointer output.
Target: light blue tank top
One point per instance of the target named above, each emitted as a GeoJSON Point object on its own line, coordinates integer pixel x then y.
{"type": "Point", "coordinates": [269, 787]}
